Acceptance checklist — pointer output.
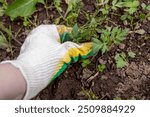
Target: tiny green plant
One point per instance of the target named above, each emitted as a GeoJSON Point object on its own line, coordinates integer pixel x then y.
{"type": "Point", "coordinates": [72, 12]}
{"type": "Point", "coordinates": [105, 9]}
{"type": "Point", "coordinates": [101, 67]}
{"type": "Point", "coordinates": [85, 62]}
{"type": "Point", "coordinates": [131, 5]}
{"type": "Point", "coordinates": [57, 4]}
{"type": "Point", "coordinates": [131, 54]}
{"type": "Point", "coordinates": [109, 36]}
{"type": "Point", "coordinates": [120, 59]}
{"type": "Point", "coordinates": [117, 4]}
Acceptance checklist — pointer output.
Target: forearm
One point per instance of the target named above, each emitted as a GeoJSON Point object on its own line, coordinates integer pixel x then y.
{"type": "Point", "coordinates": [12, 83]}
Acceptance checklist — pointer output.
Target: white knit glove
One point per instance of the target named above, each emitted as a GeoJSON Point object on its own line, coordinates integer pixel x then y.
{"type": "Point", "coordinates": [42, 57]}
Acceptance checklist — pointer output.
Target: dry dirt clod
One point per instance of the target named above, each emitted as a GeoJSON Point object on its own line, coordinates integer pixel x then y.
{"type": "Point", "coordinates": [101, 61]}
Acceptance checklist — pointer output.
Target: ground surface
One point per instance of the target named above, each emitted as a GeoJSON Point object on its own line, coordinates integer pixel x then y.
{"type": "Point", "coordinates": [130, 82]}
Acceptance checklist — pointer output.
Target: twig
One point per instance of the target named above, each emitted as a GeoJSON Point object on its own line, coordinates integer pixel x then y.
{"type": "Point", "coordinates": [112, 22]}
{"type": "Point", "coordinates": [16, 37]}
{"type": "Point", "coordinates": [92, 77]}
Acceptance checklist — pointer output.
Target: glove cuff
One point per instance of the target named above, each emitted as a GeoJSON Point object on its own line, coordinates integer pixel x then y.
{"type": "Point", "coordinates": [36, 77]}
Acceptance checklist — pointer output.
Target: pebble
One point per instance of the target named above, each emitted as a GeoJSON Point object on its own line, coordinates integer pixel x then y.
{"type": "Point", "coordinates": [122, 46]}
{"type": "Point", "coordinates": [101, 61]}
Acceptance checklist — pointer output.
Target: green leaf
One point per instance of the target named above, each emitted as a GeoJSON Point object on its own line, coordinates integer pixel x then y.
{"type": "Point", "coordinates": [75, 30]}
{"type": "Point", "coordinates": [101, 67]}
{"type": "Point", "coordinates": [1, 1]}
{"type": "Point", "coordinates": [72, 4]}
{"type": "Point", "coordinates": [132, 10]}
{"type": "Point", "coordinates": [120, 60]}
{"type": "Point", "coordinates": [85, 62]}
{"type": "Point", "coordinates": [57, 4]}
{"type": "Point", "coordinates": [135, 3]}
{"type": "Point", "coordinates": [22, 8]}
{"type": "Point", "coordinates": [148, 7]}
{"type": "Point", "coordinates": [104, 48]}
{"type": "Point", "coordinates": [124, 17]}
{"type": "Point", "coordinates": [41, 1]}
{"type": "Point", "coordinates": [132, 5]}
{"type": "Point", "coordinates": [131, 54]}
{"type": "Point", "coordinates": [116, 3]}
{"type": "Point", "coordinates": [97, 45]}
{"type": "Point", "coordinates": [142, 16]}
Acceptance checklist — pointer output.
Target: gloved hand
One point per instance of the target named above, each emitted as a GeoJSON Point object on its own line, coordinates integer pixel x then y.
{"type": "Point", "coordinates": [42, 57]}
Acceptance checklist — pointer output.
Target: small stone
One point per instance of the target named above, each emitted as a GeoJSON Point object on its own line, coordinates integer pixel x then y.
{"type": "Point", "coordinates": [101, 61]}
{"type": "Point", "coordinates": [103, 77]}
{"type": "Point", "coordinates": [125, 22]}
{"type": "Point", "coordinates": [122, 46]}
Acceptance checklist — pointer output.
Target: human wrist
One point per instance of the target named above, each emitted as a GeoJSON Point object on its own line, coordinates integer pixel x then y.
{"type": "Point", "coordinates": [13, 84]}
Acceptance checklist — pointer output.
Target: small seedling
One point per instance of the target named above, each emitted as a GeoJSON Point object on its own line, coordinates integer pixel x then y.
{"type": "Point", "coordinates": [120, 60]}
{"type": "Point", "coordinates": [72, 12]}
{"type": "Point", "coordinates": [132, 6]}
{"type": "Point", "coordinates": [85, 62]}
{"type": "Point", "coordinates": [117, 4]}
{"type": "Point", "coordinates": [109, 36]}
{"type": "Point", "coordinates": [131, 54]}
{"type": "Point", "coordinates": [101, 67]}
{"type": "Point", "coordinates": [57, 4]}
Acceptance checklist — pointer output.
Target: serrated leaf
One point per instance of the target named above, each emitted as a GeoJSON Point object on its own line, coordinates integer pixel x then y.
{"type": "Point", "coordinates": [85, 62]}
{"type": "Point", "coordinates": [97, 45]}
{"type": "Point", "coordinates": [22, 8]}
{"type": "Point", "coordinates": [71, 4]}
{"type": "Point", "coordinates": [120, 60]}
{"type": "Point", "coordinates": [104, 48]}
{"type": "Point", "coordinates": [57, 4]}
{"type": "Point", "coordinates": [131, 54]}
{"type": "Point", "coordinates": [101, 67]}
{"type": "Point", "coordinates": [116, 3]}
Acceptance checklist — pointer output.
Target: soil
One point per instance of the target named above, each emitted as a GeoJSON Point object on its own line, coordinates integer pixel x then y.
{"type": "Point", "coordinates": [130, 82]}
